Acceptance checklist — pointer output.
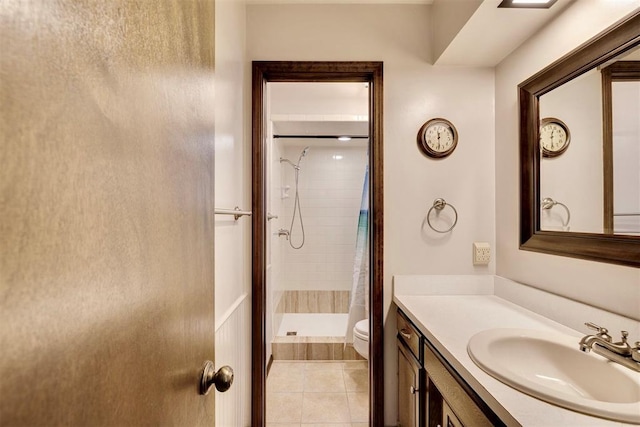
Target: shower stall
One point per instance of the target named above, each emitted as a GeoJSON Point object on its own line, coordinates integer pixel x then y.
{"type": "Point", "coordinates": [319, 202]}
{"type": "Point", "coordinates": [317, 164]}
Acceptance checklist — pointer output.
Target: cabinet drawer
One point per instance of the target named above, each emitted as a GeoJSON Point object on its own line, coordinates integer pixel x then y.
{"type": "Point", "coordinates": [457, 399]}
{"type": "Point", "coordinates": [408, 334]}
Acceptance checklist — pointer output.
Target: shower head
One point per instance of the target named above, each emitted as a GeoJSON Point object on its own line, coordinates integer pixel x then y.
{"type": "Point", "coordinates": [303, 153]}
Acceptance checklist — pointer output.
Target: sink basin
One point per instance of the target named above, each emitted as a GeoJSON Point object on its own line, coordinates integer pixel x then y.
{"type": "Point", "coordinates": [550, 367]}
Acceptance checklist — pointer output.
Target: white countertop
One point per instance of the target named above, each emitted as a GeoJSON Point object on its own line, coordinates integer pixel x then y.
{"type": "Point", "coordinates": [449, 321]}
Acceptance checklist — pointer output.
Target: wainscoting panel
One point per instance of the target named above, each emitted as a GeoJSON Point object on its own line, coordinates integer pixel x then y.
{"type": "Point", "coordinates": [233, 348]}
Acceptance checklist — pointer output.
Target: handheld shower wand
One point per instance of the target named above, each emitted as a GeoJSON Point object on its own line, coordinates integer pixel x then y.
{"type": "Point", "coordinates": [296, 203]}
{"type": "Point", "coordinates": [302, 154]}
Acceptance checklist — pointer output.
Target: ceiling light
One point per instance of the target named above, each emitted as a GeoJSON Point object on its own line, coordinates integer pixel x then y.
{"type": "Point", "coordinates": [344, 138]}
{"type": "Point", "coordinates": [530, 4]}
{"type": "Point", "coordinates": [337, 157]}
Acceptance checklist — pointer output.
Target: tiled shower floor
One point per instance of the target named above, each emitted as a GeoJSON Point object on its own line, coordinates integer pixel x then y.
{"type": "Point", "coordinates": [318, 393]}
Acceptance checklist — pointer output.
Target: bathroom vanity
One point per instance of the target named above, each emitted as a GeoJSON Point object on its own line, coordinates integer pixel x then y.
{"type": "Point", "coordinates": [430, 391]}
{"type": "Point", "coordinates": [438, 382]}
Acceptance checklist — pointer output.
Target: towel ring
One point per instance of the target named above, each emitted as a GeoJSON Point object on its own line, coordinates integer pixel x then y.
{"type": "Point", "coordinates": [439, 204]}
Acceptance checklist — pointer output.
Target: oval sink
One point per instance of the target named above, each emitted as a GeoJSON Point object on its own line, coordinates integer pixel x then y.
{"type": "Point", "coordinates": [550, 366]}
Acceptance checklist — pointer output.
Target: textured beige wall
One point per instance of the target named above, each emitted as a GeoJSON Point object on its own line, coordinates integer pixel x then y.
{"type": "Point", "coordinates": [106, 198]}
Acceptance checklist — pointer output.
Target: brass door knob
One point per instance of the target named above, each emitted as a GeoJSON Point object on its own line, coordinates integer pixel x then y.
{"type": "Point", "coordinates": [222, 379]}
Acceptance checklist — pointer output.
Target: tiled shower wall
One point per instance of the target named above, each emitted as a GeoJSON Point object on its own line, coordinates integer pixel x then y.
{"type": "Point", "coordinates": [330, 191]}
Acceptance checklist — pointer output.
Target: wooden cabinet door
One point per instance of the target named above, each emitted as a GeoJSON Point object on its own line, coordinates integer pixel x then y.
{"type": "Point", "coordinates": [449, 419]}
{"type": "Point", "coordinates": [106, 212]}
{"type": "Point", "coordinates": [452, 393]}
{"type": "Point", "coordinates": [409, 372]}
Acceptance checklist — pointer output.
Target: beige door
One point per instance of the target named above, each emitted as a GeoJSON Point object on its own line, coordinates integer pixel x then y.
{"type": "Point", "coordinates": [106, 212]}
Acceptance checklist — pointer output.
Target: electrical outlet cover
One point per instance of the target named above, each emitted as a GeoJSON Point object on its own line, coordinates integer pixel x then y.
{"type": "Point", "coordinates": [481, 253]}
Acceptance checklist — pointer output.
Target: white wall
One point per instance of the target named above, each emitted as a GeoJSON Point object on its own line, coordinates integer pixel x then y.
{"type": "Point", "coordinates": [414, 91]}
{"type": "Point", "coordinates": [232, 261]}
{"type": "Point", "coordinates": [602, 285]}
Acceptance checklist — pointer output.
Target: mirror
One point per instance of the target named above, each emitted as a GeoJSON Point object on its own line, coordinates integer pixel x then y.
{"type": "Point", "coordinates": [580, 188]}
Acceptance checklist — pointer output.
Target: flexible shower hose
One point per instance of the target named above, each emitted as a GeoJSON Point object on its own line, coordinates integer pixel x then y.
{"type": "Point", "coordinates": [296, 207]}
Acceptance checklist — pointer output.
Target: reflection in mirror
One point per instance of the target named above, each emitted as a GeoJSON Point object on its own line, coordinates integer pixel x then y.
{"type": "Point", "coordinates": [575, 177]}
{"type": "Point", "coordinates": [567, 191]}
{"type": "Point", "coordinates": [621, 96]}
{"type": "Point", "coordinates": [599, 175]}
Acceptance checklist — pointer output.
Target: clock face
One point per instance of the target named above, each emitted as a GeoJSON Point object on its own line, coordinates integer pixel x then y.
{"type": "Point", "coordinates": [554, 137]}
{"type": "Point", "coordinates": [437, 138]}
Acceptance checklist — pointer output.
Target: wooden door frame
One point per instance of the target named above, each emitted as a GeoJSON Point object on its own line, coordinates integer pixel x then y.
{"type": "Point", "coordinates": [617, 72]}
{"type": "Point", "coordinates": [282, 71]}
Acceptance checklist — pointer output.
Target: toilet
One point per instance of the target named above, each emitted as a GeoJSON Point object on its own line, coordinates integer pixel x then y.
{"type": "Point", "coordinates": [361, 338]}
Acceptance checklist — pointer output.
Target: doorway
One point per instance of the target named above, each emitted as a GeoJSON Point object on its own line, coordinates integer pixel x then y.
{"type": "Point", "coordinates": [369, 73]}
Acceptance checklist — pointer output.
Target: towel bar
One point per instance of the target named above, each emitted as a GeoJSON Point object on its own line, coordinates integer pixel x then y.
{"type": "Point", "coordinates": [236, 212]}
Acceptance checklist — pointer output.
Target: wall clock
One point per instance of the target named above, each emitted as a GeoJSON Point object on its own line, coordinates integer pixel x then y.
{"type": "Point", "coordinates": [554, 137]}
{"type": "Point", "coordinates": [437, 138]}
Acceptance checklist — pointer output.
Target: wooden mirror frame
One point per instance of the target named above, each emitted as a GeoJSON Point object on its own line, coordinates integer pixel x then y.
{"type": "Point", "coordinates": [307, 71]}
{"type": "Point", "coordinates": [615, 249]}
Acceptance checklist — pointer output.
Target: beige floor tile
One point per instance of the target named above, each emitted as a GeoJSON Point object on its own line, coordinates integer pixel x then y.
{"type": "Point", "coordinates": [323, 365]}
{"type": "Point", "coordinates": [283, 425]}
{"type": "Point", "coordinates": [326, 425]}
{"type": "Point", "coordinates": [285, 377]}
{"type": "Point", "coordinates": [356, 364]}
{"type": "Point", "coordinates": [360, 425]}
{"type": "Point", "coordinates": [330, 381]}
{"type": "Point", "coordinates": [279, 366]}
{"type": "Point", "coordinates": [359, 406]}
{"type": "Point", "coordinates": [356, 380]}
{"type": "Point", "coordinates": [286, 381]}
{"type": "Point", "coordinates": [325, 408]}
{"type": "Point", "coordinates": [284, 407]}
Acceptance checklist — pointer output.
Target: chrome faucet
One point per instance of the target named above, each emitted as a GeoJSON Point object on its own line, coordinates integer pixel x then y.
{"type": "Point", "coordinates": [619, 352]}
{"type": "Point", "coordinates": [283, 232]}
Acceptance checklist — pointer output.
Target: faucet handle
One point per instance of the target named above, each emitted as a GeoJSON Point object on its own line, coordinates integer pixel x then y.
{"type": "Point", "coordinates": [625, 335]}
{"type": "Point", "coordinates": [602, 332]}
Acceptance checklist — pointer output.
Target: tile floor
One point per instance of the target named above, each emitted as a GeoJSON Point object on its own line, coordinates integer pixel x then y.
{"type": "Point", "coordinates": [318, 394]}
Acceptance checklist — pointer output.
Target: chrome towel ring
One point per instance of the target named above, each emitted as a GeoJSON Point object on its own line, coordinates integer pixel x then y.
{"type": "Point", "coordinates": [548, 203]}
{"type": "Point", "coordinates": [439, 204]}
